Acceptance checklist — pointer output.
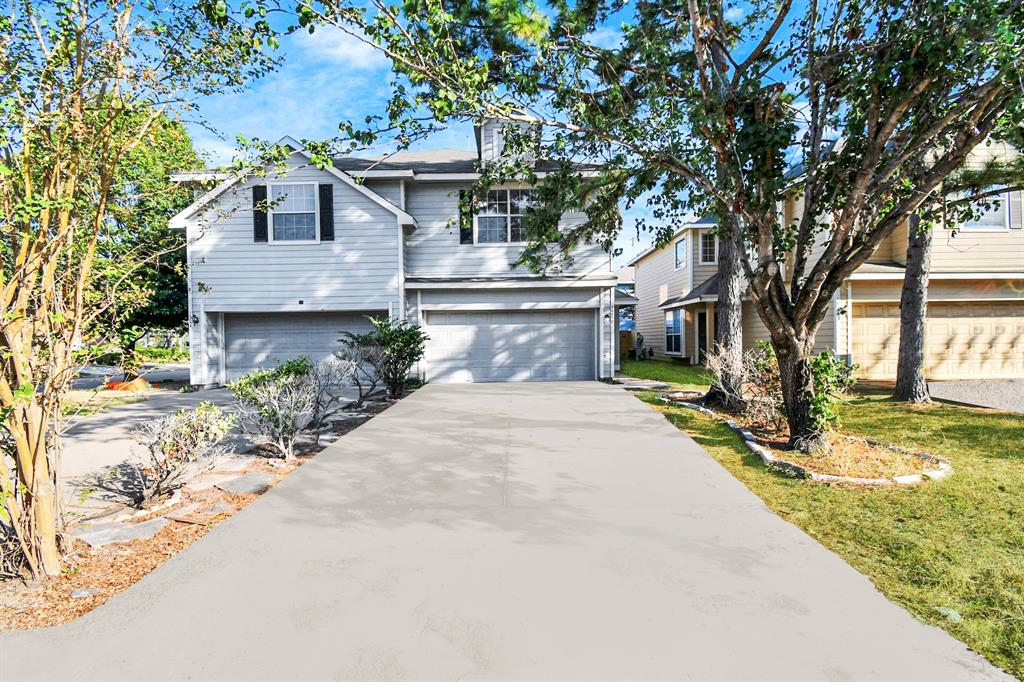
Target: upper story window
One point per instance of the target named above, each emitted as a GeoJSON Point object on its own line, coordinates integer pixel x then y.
{"type": "Point", "coordinates": [996, 217]}
{"type": "Point", "coordinates": [708, 248]}
{"type": "Point", "coordinates": [500, 219]}
{"type": "Point", "coordinates": [293, 212]}
{"type": "Point", "coordinates": [681, 253]}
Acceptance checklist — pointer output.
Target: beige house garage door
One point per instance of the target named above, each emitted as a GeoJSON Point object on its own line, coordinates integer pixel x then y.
{"type": "Point", "coordinates": [963, 340]}
{"type": "Point", "coordinates": [555, 345]}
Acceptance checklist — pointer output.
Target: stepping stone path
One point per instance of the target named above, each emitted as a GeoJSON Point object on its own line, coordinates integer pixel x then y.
{"type": "Point", "coordinates": [109, 533]}
{"type": "Point", "coordinates": [631, 384]}
{"type": "Point", "coordinates": [248, 484]}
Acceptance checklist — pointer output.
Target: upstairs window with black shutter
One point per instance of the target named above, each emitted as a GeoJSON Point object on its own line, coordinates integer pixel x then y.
{"type": "Point", "coordinates": [465, 217]}
{"type": "Point", "coordinates": [293, 212]}
{"type": "Point", "coordinates": [327, 212]}
{"type": "Point", "coordinates": [259, 213]}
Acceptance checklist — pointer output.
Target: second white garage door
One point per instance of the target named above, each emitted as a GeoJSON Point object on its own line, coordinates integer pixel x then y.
{"type": "Point", "coordinates": [510, 346]}
{"type": "Point", "coordinates": [981, 340]}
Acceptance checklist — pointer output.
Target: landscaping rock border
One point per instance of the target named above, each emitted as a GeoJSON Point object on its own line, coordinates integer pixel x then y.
{"type": "Point", "coordinates": [944, 469]}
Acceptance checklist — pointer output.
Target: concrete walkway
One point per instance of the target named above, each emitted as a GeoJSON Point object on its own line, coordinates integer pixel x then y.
{"type": "Point", "coordinates": [502, 531]}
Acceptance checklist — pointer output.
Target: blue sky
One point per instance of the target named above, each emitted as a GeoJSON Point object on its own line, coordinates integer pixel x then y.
{"type": "Point", "coordinates": [326, 78]}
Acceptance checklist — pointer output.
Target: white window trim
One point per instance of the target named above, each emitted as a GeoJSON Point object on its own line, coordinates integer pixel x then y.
{"type": "Point", "coordinates": [476, 238]}
{"type": "Point", "coordinates": [675, 253]}
{"type": "Point", "coordinates": [1005, 198]}
{"type": "Point", "coordinates": [679, 313]}
{"type": "Point", "coordinates": [270, 214]}
{"type": "Point", "coordinates": [700, 249]}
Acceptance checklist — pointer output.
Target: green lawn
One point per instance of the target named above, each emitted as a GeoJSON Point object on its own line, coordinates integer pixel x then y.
{"type": "Point", "coordinates": [676, 373]}
{"type": "Point", "coordinates": [954, 544]}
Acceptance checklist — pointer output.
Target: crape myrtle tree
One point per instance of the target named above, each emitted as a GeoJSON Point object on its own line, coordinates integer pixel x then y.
{"type": "Point", "coordinates": [83, 83]}
{"type": "Point", "coordinates": [709, 106]}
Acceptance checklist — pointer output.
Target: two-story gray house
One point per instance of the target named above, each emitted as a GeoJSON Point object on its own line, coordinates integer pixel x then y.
{"type": "Point", "coordinates": [372, 237]}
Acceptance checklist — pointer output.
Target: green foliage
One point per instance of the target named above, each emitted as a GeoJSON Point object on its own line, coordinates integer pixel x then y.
{"type": "Point", "coordinates": [832, 377]}
{"type": "Point", "coordinates": [679, 375]}
{"type": "Point", "coordinates": [401, 345]}
{"type": "Point", "coordinates": [276, 405]}
{"type": "Point", "coordinates": [245, 387]}
{"type": "Point", "coordinates": [161, 354]}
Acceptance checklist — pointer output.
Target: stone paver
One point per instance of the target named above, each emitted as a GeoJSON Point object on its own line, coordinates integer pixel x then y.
{"type": "Point", "coordinates": [502, 532]}
{"type": "Point", "coordinates": [249, 484]}
{"type": "Point", "coordinates": [109, 533]}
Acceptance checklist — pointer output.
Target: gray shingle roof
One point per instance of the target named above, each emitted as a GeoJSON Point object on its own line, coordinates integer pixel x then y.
{"type": "Point", "coordinates": [705, 289]}
{"type": "Point", "coordinates": [432, 161]}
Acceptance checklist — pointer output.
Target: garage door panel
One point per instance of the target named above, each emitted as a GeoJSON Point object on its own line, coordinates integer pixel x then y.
{"type": "Point", "coordinates": [261, 340]}
{"type": "Point", "coordinates": [962, 340]}
{"type": "Point", "coordinates": [510, 346]}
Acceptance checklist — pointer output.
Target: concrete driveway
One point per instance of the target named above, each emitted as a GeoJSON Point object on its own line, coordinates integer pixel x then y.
{"type": "Point", "coordinates": [999, 394]}
{"type": "Point", "coordinates": [502, 531]}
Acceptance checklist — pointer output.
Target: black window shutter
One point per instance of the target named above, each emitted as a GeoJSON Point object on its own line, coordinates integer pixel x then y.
{"type": "Point", "coordinates": [465, 220]}
{"type": "Point", "coordinates": [327, 213]}
{"type": "Point", "coordinates": [259, 213]}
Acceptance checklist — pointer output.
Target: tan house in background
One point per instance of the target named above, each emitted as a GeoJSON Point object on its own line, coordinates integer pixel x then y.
{"type": "Point", "coordinates": [975, 325]}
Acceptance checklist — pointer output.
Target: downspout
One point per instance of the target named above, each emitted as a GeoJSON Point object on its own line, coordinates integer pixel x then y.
{"type": "Point", "coordinates": [849, 321]}
{"type": "Point", "coordinates": [401, 254]}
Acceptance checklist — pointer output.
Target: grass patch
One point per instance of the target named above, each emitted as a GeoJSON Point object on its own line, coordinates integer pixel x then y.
{"type": "Point", "coordinates": [952, 544]}
{"type": "Point", "coordinates": [688, 377]}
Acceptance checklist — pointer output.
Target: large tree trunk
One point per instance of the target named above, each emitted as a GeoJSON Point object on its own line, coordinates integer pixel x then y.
{"type": "Point", "coordinates": [910, 382]}
{"type": "Point", "coordinates": [798, 394]}
{"type": "Point", "coordinates": [729, 335]}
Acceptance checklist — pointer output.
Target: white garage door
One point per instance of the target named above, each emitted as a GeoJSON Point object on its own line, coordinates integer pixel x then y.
{"type": "Point", "coordinates": [510, 346]}
{"type": "Point", "coordinates": [962, 340]}
{"type": "Point", "coordinates": [255, 340]}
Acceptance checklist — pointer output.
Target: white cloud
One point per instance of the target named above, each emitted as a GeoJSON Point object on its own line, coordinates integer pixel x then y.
{"type": "Point", "coordinates": [606, 37]}
{"type": "Point", "coordinates": [735, 13]}
{"type": "Point", "coordinates": [334, 45]}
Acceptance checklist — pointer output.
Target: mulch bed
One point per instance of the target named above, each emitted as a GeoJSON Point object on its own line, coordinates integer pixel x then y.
{"type": "Point", "coordinates": [848, 456]}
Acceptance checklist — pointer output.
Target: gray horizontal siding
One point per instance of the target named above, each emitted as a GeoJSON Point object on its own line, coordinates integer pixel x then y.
{"type": "Point", "coordinates": [435, 251]}
{"type": "Point", "coordinates": [358, 270]}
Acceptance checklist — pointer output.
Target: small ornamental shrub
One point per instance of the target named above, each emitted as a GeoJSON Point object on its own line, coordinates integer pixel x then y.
{"type": "Point", "coordinates": [401, 347]}
{"type": "Point", "coordinates": [329, 378]}
{"type": "Point", "coordinates": [363, 352]}
{"type": "Point", "coordinates": [177, 448]}
{"type": "Point", "coordinates": [244, 386]}
{"type": "Point", "coordinates": [275, 405]}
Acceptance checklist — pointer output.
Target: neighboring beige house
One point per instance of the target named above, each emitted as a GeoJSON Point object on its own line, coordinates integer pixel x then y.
{"type": "Point", "coordinates": [975, 325]}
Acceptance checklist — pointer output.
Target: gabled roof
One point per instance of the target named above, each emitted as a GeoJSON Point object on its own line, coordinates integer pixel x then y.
{"type": "Point", "coordinates": [178, 221]}
{"type": "Point", "coordinates": [433, 161]}
{"type": "Point", "coordinates": [702, 222]}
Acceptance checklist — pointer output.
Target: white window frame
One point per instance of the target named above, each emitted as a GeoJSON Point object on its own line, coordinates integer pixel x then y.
{"type": "Point", "coordinates": [1004, 197]}
{"type": "Point", "coordinates": [270, 213]}
{"type": "Point", "coordinates": [675, 313]}
{"type": "Point", "coordinates": [675, 253]}
{"type": "Point", "coordinates": [700, 248]}
{"type": "Point", "coordinates": [509, 216]}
